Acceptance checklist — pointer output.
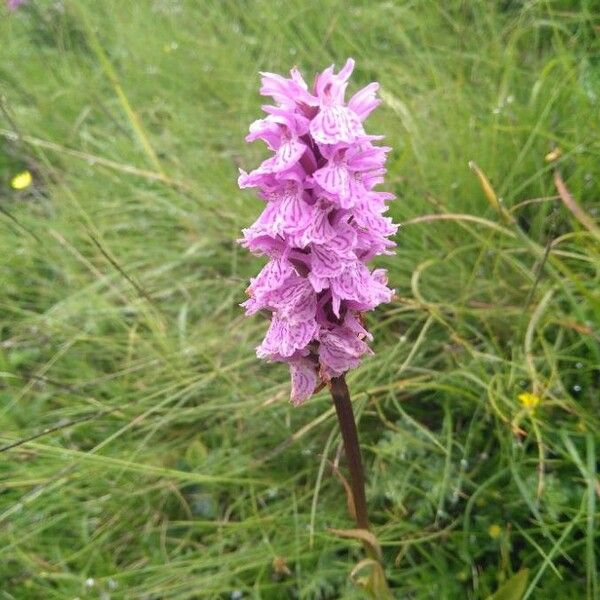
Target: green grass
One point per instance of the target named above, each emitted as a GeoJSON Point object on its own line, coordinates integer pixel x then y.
{"type": "Point", "coordinates": [175, 468]}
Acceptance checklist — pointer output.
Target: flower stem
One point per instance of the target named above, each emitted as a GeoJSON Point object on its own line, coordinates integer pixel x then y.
{"type": "Point", "coordinates": [377, 586]}
{"type": "Point", "coordinates": [345, 415]}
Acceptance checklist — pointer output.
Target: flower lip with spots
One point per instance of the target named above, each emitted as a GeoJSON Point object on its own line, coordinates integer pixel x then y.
{"type": "Point", "coordinates": [322, 221]}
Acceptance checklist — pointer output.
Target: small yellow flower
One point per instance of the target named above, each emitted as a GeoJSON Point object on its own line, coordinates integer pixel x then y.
{"type": "Point", "coordinates": [553, 155]}
{"type": "Point", "coordinates": [494, 531]}
{"type": "Point", "coordinates": [529, 400]}
{"type": "Point", "coordinates": [21, 180]}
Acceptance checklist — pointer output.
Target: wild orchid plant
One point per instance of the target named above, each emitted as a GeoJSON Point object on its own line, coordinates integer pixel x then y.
{"type": "Point", "coordinates": [322, 222]}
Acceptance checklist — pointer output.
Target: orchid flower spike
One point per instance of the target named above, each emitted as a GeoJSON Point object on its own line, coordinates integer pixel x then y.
{"type": "Point", "coordinates": [322, 222]}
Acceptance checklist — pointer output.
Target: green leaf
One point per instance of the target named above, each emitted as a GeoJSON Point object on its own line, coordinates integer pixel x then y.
{"type": "Point", "coordinates": [513, 589]}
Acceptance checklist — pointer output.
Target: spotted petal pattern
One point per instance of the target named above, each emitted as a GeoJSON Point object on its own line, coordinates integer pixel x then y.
{"type": "Point", "coordinates": [322, 221]}
{"type": "Point", "coordinates": [304, 380]}
{"type": "Point", "coordinates": [336, 124]}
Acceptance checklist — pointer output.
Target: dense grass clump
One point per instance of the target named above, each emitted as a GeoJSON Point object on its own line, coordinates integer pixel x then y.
{"type": "Point", "coordinates": [148, 454]}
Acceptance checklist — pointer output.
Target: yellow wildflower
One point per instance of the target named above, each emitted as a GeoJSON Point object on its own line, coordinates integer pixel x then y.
{"type": "Point", "coordinates": [553, 155]}
{"type": "Point", "coordinates": [529, 400]}
{"type": "Point", "coordinates": [21, 180]}
{"type": "Point", "coordinates": [494, 531]}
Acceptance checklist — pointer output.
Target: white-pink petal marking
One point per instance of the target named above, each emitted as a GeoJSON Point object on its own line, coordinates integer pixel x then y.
{"type": "Point", "coordinates": [336, 124]}
{"type": "Point", "coordinates": [304, 380]}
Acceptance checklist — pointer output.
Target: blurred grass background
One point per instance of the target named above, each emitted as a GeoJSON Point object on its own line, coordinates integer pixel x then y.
{"type": "Point", "coordinates": [146, 452]}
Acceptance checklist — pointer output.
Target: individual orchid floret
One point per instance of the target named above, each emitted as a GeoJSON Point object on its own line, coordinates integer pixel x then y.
{"type": "Point", "coordinates": [288, 93]}
{"type": "Point", "coordinates": [365, 101]}
{"type": "Point", "coordinates": [322, 222]}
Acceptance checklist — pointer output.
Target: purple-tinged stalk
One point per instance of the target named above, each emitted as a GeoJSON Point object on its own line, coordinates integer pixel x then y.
{"type": "Point", "coordinates": [323, 221]}
{"type": "Point", "coordinates": [345, 415]}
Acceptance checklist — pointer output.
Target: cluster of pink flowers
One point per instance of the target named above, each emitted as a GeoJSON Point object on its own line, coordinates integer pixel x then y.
{"type": "Point", "coordinates": [322, 222]}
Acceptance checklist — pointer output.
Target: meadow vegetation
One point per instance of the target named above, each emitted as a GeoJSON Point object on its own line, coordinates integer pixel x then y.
{"type": "Point", "coordinates": [147, 453]}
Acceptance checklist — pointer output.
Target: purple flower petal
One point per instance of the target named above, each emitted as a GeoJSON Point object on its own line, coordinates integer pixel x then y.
{"type": "Point", "coordinates": [340, 350]}
{"type": "Point", "coordinates": [304, 380]}
{"type": "Point", "coordinates": [336, 124]}
{"type": "Point", "coordinates": [13, 5]}
{"type": "Point", "coordinates": [365, 101]}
